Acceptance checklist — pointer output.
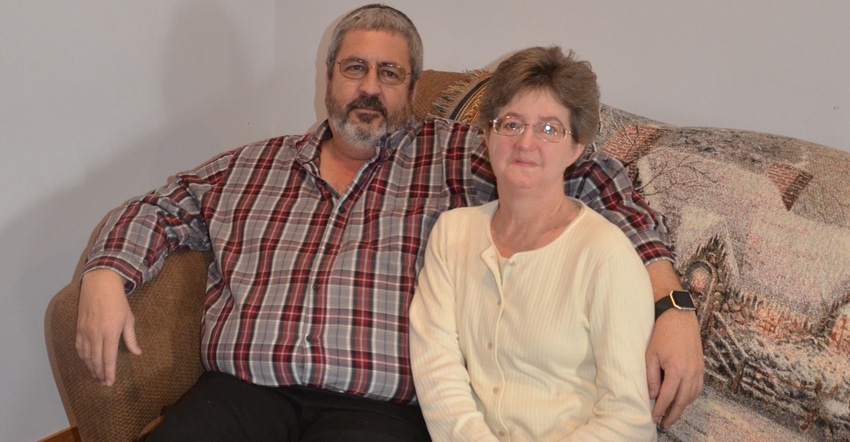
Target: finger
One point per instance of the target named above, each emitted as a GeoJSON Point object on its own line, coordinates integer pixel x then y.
{"type": "Point", "coordinates": [653, 376]}
{"type": "Point", "coordinates": [108, 359]}
{"type": "Point", "coordinates": [83, 352]}
{"type": "Point", "coordinates": [130, 340]}
{"type": "Point", "coordinates": [95, 359]}
{"type": "Point", "coordinates": [673, 413]}
{"type": "Point", "coordinates": [82, 348]}
{"type": "Point", "coordinates": [665, 398]}
{"type": "Point", "coordinates": [78, 345]}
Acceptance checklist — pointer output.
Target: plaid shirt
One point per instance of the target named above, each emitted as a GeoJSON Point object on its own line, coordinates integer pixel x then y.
{"type": "Point", "coordinates": [312, 288]}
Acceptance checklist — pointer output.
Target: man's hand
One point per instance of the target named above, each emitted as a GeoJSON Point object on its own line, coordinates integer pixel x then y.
{"type": "Point", "coordinates": [674, 349]}
{"type": "Point", "coordinates": [103, 317]}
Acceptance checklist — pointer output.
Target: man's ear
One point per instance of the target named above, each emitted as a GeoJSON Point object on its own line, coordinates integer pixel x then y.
{"type": "Point", "coordinates": [414, 91]}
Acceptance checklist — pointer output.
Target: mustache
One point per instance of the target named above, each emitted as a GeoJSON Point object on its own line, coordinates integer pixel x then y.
{"type": "Point", "coordinates": [367, 102]}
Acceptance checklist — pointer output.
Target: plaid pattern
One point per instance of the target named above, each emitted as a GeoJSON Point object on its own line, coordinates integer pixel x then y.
{"type": "Point", "coordinates": [600, 181]}
{"type": "Point", "coordinates": [312, 288]}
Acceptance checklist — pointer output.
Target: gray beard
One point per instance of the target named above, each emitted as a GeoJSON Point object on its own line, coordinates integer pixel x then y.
{"type": "Point", "coordinates": [354, 134]}
{"type": "Point", "coordinates": [351, 132]}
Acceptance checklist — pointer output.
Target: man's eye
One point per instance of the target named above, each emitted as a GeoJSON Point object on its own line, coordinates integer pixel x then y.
{"type": "Point", "coordinates": [512, 126]}
{"type": "Point", "coordinates": [549, 129]}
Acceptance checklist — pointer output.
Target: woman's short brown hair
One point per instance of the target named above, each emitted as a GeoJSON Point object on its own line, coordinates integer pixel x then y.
{"type": "Point", "coordinates": [572, 82]}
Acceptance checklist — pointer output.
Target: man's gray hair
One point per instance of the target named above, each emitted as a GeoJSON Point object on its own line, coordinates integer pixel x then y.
{"type": "Point", "coordinates": [377, 17]}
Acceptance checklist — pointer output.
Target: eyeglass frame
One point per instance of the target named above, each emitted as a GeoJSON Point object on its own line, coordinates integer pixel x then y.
{"type": "Point", "coordinates": [494, 124]}
{"type": "Point", "coordinates": [402, 75]}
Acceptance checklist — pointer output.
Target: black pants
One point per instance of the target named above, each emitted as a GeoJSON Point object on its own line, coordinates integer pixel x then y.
{"type": "Point", "coordinates": [220, 407]}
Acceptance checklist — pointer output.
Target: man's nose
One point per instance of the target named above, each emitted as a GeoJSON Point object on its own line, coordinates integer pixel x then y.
{"type": "Point", "coordinates": [371, 84]}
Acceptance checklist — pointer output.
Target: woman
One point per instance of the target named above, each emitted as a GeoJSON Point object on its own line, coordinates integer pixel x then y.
{"type": "Point", "coordinates": [531, 320]}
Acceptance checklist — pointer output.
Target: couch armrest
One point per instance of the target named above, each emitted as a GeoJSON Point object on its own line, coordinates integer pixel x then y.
{"type": "Point", "coordinates": [168, 317]}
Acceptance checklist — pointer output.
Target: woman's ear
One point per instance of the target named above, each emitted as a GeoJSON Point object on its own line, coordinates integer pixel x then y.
{"type": "Point", "coordinates": [579, 150]}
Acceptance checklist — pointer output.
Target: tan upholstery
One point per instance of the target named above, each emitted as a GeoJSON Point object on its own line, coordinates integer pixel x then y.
{"type": "Point", "coordinates": [168, 312]}
{"type": "Point", "coordinates": [431, 87]}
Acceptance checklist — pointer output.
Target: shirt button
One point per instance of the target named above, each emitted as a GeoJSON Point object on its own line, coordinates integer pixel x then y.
{"type": "Point", "coordinates": [495, 390]}
{"type": "Point", "coordinates": [342, 210]}
{"type": "Point", "coordinates": [489, 346]}
{"type": "Point", "coordinates": [328, 247]}
{"type": "Point", "coordinates": [309, 339]}
{"type": "Point", "coordinates": [501, 433]}
{"type": "Point", "coordinates": [315, 287]}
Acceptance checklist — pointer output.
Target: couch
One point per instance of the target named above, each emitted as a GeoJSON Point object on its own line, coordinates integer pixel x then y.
{"type": "Point", "coordinates": [761, 230]}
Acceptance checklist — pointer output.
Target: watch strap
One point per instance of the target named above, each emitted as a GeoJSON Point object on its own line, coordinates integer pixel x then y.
{"type": "Point", "coordinates": [678, 299]}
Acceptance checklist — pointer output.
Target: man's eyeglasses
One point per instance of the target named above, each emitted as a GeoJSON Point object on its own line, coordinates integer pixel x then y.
{"type": "Point", "coordinates": [546, 131]}
{"type": "Point", "coordinates": [355, 69]}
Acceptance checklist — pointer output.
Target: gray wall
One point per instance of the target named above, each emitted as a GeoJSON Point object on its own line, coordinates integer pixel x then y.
{"type": "Point", "coordinates": [102, 100]}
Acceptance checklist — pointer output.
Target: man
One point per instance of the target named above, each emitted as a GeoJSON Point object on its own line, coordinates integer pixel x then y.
{"type": "Point", "coordinates": [317, 240]}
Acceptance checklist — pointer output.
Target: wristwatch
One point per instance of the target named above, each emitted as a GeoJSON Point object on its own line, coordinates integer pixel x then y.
{"type": "Point", "coordinates": [678, 299]}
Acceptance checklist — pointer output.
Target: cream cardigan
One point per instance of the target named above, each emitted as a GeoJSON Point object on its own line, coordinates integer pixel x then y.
{"type": "Point", "coordinates": [550, 349]}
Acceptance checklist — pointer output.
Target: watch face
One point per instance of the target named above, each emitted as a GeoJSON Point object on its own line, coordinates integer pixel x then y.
{"type": "Point", "coordinates": [682, 300]}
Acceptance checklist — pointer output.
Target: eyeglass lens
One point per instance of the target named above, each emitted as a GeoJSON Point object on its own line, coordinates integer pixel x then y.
{"type": "Point", "coordinates": [546, 131]}
{"type": "Point", "coordinates": [356, 69]}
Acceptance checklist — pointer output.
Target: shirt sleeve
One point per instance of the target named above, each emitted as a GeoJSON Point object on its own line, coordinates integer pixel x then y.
{"type": "Point", "coordinates": [137, 236]}
{"type": "Point", "coordinates": [600, 181]}
{"type": "Point", "coordinates": [620, 328]}
{"type": "Point", "coordinates": [442, 382]}
{"type": "Point", "coordinates": [482, 173]}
